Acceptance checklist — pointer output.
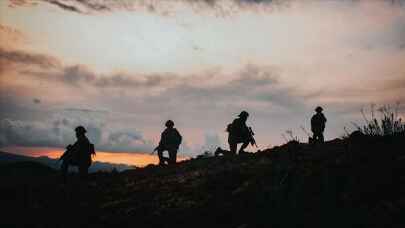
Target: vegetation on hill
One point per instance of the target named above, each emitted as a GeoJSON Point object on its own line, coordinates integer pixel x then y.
{"type": "Point", "coordinates": [356, 182]}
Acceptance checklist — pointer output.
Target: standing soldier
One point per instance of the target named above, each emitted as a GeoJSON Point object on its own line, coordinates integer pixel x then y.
{"type": "Point", "coordinates": [239, 133]}
{"type": "Point", "coordinates": [170, 140]}
{"type": "Point", "coordinates": [318, 125]}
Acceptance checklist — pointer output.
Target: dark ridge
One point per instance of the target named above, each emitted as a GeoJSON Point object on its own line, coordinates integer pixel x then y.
{"type": "Point", "coordinates": [25, 168]}
{"type": "Point", "coordinates": [355, 182]}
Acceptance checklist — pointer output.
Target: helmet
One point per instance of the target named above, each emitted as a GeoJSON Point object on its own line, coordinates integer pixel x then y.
{"type": "Point", "coordinates": [80, 129]}
{"type": "Point", "coordinates": [244, 114]}
{"type": "Point", "coordinates": [319, 109]}
{"type": "Point", "coordinates": [169, 123]}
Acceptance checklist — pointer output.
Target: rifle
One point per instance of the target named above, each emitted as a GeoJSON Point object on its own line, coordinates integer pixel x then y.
{"type": "Point", "coordinates": [67, 152]}
{"type": "Point", "coordinates": [252, 138]}
{"type": "Point", "coordinates": [156, 149]}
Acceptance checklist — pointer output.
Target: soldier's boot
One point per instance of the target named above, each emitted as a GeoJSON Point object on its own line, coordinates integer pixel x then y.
{"type": "Point", "coordinates": [233, 147]}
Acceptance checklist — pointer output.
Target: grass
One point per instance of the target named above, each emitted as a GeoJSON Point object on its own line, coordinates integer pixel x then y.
{"type": "Point", "coordinates": [290, 137]}
{"type": "Point", "coordinates": [387, 123]}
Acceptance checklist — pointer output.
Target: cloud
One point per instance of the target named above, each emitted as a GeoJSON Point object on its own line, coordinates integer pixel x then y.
{"type": "Point", "coordinates": [81, 75]}
{"type": "Point", "coordinates": [91, 6]}
{"type": "Point", "coordinates": [253, 86]}
{"type": "Point", "coordinates": [59, 132]}
{"type": "Point", "coordinates": [14, 132]}
{"type": "Point", "coordinates": [64, 6]}
{"type": "Point", "coordinates": [211, 142]}
{"type": "Point", "coordinates": [13, 105]}
{"type": "Point", "coordinates": [76, 6]}
{"type": "Point", "coordinates": [36, 101]}
{"type": "Point", "coordinates": [8, 58]}
{"type": "Point", "coordinates": [10, 36]}
{"type": "Point", "coordinates": [85, 111]}
{"type": "Point", "coordinates": [127, 140]}
{"type": "Point", "coordinates": [223, 7]}
{"type": "Point", "coordinates": [122, 80]}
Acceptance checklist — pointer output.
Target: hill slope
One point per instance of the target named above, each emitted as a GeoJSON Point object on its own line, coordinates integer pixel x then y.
{"type": "Point", "coordinates": [356, 182]}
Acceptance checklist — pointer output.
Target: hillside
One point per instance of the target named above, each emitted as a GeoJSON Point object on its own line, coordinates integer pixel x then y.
{"type": "Point", "coordinates": [355, 182]}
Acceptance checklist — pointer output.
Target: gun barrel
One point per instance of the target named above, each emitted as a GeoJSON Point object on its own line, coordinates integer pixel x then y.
{"type": "Point", "coordinates": [252, 138]}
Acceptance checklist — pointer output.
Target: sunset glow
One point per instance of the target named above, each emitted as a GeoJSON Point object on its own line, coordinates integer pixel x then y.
{"type": "Point", "coordinates": [133, 159]}
{"type": "Point", "coordinates": [123, 68]}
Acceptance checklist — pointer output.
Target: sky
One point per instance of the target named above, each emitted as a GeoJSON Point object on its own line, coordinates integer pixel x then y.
{"type": "Point", "coordinates": [122, 68]}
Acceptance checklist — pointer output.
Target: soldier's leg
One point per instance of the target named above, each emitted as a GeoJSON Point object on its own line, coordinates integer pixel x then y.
{"type": "Point", "coordinates": [233, 147]}
{"type": "Point", "coordinates": [243, 147]}
{"type": "Point", "coordinates": [64, 169]}
{"type": "Point", "coordinates": [161, 158]}
{"type": "Point", "coordinates": [321, 138]}
{"type": "Point", "coordinates": [317, 137]}
{"type": "Point", "coordinates": [83, 171]}
{"type": "Point", "coordinates": [172, 156]}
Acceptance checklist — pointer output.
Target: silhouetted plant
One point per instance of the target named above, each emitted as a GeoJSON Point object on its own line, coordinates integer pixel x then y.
{"type": "Point", "coordinates": [290, 136]}
{"type": "Point", "coordinates": [388, 123]}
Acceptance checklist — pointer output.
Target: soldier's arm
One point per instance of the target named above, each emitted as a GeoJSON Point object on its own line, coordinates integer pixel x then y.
{"type": "Point", "coordinates": [75, 147]}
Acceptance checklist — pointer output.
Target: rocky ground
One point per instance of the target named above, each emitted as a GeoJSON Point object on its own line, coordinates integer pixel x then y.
{"type": "Point", "coordinates": [354, 182]}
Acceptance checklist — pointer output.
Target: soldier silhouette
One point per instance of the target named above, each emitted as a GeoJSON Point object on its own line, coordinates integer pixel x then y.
{"type": "Point", "coordinates": [170, 140]}
{"type": "Point", "coordinates": [318, 121]}
{"type": "Point", "coordinates": [239, 133]}
{"type": "Point", "coordinates": [78, 154]}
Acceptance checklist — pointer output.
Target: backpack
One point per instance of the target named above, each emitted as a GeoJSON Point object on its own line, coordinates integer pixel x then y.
{"type": "Point", "coordinates": [230, 127]}
{"type": "Point", "coordinates": [233, 127]}
{"type": "Point", "coordinates": [178, 138]}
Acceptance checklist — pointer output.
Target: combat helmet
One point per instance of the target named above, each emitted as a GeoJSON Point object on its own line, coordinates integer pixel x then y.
{"type": "Point", "coordinates": [243, 114]}
{"type": "Point", "coordinates": [80, 129]}
{"type": "Point", "coordinates": [169, 123]}
{"type": "Point", "coordinates": [319, 109]}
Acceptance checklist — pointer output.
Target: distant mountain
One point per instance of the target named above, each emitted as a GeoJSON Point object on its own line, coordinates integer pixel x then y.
{"type": "Point", "coordinates": [7, 158]}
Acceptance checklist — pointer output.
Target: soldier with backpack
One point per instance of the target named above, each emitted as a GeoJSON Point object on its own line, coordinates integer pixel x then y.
{"type": "Point", "coordinates": [79, 154]}
{"type": "Point", "coordinates": [170, 140]}
{"type": "Point", "coordinates": [240, 133]}
{"type": "Point", "coordinates": [318, 121]}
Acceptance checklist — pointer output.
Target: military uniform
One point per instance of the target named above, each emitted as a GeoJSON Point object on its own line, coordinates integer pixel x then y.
{"type": "Point", "coordinates": [170, 140]}
{"type": "Point", "coordinates": [238, 133]}
{"type": "Point", "coordinates": [78, 154]}
{"type": "Point", "coordinates": [318, 125]}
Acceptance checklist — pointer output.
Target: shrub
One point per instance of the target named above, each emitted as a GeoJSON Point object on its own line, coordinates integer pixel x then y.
{"type": "Point", "coordinates": [290, 136]}
{"type": "Point", "coordinates": [388, 123]}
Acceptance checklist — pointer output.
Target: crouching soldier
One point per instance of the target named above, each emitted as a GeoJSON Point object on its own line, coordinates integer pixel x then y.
{"type": "Point", "coordinates": [318, 121]}
{"type": "Point", "coordinates": [239, 133]}
{"type": "Point", "coordinates": [170, 140]}
{"type": "Point", "coordinates": [79, 154]}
